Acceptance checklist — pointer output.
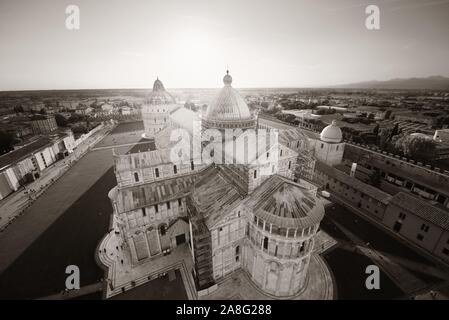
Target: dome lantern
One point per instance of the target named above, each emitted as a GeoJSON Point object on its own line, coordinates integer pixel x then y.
{"type": "Point", "coordinates": [227, 79]}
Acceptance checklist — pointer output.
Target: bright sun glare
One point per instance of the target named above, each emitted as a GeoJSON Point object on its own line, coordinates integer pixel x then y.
{"type": "Point", "coordinates": [195, 48]}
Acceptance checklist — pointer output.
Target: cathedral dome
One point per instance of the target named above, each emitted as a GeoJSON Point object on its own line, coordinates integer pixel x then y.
{"type": "Point", "coordinates": [332, 133]}
{"type": "Point", "coordinates": [159, 96]}
{"type": "Point", "coordinates": [228, 105]}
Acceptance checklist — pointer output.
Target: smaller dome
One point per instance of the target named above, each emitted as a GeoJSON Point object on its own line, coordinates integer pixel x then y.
{"type": "Point", "coordinates": [159, 96]}
{"type": "Point", "coordinates": [332, 133]}
{"type": "Point", "coordinates": [158, 85]}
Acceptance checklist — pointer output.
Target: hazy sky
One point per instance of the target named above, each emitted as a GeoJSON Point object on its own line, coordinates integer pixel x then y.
{"type": "Point", "coordinates": [189, 43]}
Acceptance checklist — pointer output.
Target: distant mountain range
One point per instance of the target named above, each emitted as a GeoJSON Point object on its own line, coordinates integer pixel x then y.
{"type": "Point", "coordinates": [428, 83]}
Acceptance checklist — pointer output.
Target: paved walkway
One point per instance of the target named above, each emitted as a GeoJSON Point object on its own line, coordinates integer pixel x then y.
{"type": "Point", "coordinates": [120, 145]}
{"type": "Point", "coordinates": [239, 286]}
{"type": "Point", "coordinates": [54, 202]}
{"type": "Point", "coordinates": [96, 287]}
{"type": "Point", "coordinates": [323, 242]}
{"type": "Point", "coordinates": [120, 138]}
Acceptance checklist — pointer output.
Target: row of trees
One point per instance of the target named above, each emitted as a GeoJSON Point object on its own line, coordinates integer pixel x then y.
{"type": "Point", "coordinates": [62, 121]}
{"type": "Point", "coordinates": [19, 109]}
{"type": "Point", "coordinates": [395, 141]}
{"type": "Point", "coordinates": [414, 147]}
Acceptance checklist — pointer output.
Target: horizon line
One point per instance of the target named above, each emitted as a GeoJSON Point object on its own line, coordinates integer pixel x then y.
{"type": "Point", "coordinates": [335, 86]}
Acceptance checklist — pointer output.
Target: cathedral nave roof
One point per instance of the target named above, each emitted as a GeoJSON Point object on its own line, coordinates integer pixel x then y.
{"type": "Point", "coordinates": [136, 197]}
{"type": "Point", "coordinates": [214, 194]}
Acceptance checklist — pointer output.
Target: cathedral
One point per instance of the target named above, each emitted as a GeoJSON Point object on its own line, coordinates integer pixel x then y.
{"type": "Point", "coordinates": [233, 209]}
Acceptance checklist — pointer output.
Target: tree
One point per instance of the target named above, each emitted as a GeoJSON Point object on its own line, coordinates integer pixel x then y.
{"type": "Point", "coordinates": [43, 111]}
{"type": "Point", "coordinates": [375, 178]}
{"type": "Point", "coordinates": [76, 118]}
{"type": "Point", "coordinates": [38, 117]}
{"type": "Point", "coordinates": [285, 117]}
{"type": "Point", "coordinates": [7, 141]}
{"type": "Point", "coordinates": [416, 147]}
{"type": "Point", "coordinates": [80, 129]}
{"type": "Point", "coordinates": [376, 130]}
{"type": "Point", "coordinates": [323, 111]}
{"type": "Point", "coordinates": [394, 131]}
{"type": "Point", "coordinates": [18, 109]}
{"type": "Point", "coordinates": [264, 104]}
{"type": "Point", "coordinates": [61, 121]}
{"type": "Point", "coordinates": [384, 138]}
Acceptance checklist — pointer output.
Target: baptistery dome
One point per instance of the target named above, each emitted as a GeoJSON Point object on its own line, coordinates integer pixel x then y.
{"type": "Point", "coordinates": [228, 109]}
{"type": "Point", "coordinates": [331, 133]}
{"type": "Point", "coordinates": [156, 109]}
{"type": "Point", "coordinates": [159, 96]}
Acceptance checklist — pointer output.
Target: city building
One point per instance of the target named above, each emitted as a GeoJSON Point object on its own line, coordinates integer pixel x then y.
{"type": "Point", "coordinates": [415, 220]}
{"type": "Point", "coordinates": [43, 124]}
{"type": "Point", "coordinates": [235, 215]}
{"type": "Point", "coordinates": [416, 117]}
{"type": "Point", "coordinates": [19, 130]}
{"type": "Point", "coordinates": [298, 140]}
{"type": "Point", "coordinates": [354, 191]}
{"type": "Point", "coordinates": [126, 110]}
{"type": "Point", "coordinates": [441, 135]}
{"type": "Point", "coordinates": [399, 174]}
{"type": "Point", "coordinates": [107, 108]}
{"type": "Point", "coordinates": [420, 222]}
{"type": "Point", "coordinates": [25, 164]}
{"type": "Point", "coordinates": [329, 148]}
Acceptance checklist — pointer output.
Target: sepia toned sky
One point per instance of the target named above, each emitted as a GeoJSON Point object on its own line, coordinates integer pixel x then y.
{"type": "Point", "coordinates": [190, 43]}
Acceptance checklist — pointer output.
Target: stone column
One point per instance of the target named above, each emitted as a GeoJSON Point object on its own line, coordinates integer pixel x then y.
{"type": "Point", "coordinates": [279, 276]}
{"type": "Point", "coordinates": [132, 250]}
{"type": "Point", "coordinates": [158, 240]}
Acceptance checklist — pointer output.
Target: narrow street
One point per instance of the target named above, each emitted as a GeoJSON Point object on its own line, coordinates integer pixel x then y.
{"type": "Point", "coordinates": [360, 244]}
